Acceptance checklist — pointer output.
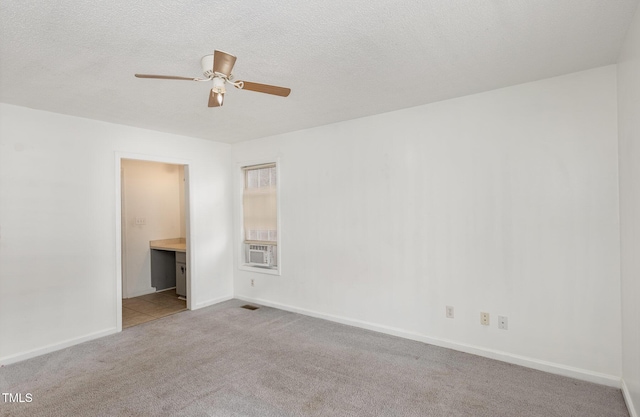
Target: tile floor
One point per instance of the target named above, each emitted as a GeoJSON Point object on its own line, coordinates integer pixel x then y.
{"type": "Point", "coordinates": [149, 307]}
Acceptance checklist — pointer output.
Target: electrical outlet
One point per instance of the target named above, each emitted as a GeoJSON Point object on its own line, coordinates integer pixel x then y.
{"type": "Point", "coordinates": [484, 319]}
{"type": "Point", "coordinates": [449, 310]}
{"type": "Point", "coordinates": [141, 221]}
{"type": "Point", "coordinates": [503, 322]}
{"type": "Point", "coordinates": [253, 284]}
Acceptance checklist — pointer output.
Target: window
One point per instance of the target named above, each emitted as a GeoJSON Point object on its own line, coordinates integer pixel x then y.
{"type": "Point", "coordinates": [260, 216]}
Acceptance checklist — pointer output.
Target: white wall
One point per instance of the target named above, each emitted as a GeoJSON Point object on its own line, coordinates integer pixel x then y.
{"type": "Point", "coordinates": [629, 134]}
{"type": "Point", "coordinates": [182, 199]}
{"type": "Point", "coordinates": [151, 191]}
{"type": "Point", "coordinates": [58, 227]}
{"type": "Point", "coordinates": [504, 202]}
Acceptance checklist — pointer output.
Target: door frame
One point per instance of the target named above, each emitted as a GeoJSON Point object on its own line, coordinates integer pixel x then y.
{"type": "Point", "coordinates": [186, 163]}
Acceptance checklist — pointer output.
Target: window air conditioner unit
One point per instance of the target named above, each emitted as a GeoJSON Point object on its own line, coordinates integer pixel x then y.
{"type": "Point", "coordinates": [261, 255]}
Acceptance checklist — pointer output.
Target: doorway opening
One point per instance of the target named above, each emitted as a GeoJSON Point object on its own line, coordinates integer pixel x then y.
{"type": "Point", "coordinates": [154, 240]}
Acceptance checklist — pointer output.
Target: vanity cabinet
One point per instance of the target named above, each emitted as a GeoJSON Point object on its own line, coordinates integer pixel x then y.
{"type": "Point", "coordinates": [169, 265]}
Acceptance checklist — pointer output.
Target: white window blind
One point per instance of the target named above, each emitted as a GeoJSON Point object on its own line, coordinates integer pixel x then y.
{"type": "Point", "coordinates": [259, 203]}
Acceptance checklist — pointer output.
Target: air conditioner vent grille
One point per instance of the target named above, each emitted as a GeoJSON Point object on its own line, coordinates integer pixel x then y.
{"type": "Point", "coordinates": [261, 255]}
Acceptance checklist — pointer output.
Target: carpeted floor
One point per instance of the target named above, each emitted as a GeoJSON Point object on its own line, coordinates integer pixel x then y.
{"type": "Point", "coordinates": [228, 361]}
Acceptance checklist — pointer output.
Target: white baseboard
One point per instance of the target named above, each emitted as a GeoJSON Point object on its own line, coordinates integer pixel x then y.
{"type": "Point", "coordinates": [212, 302]}
{"type": "Point", "coordinates": [138, 293]}
{"type": "Point", "coordinates": [627, 399]}
{"type": "Point", "coordinates": [6, 360]}
{"type": "Point", "coordinates": [554, 368]}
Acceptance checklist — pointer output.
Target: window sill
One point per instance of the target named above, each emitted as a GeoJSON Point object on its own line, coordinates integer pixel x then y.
{"type": "Point", "coordinates": [259, 270]}
{"type": "Point", "coordinates": [261, 242]}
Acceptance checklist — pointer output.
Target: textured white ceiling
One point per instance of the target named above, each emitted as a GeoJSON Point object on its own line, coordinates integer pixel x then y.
{"type": "Point", "coordinates": [342, 59]}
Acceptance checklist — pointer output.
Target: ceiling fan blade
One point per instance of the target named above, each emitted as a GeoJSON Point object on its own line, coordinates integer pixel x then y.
{"type": "Point", "coordinates": [213, 102]}
{"type": "Point", "coordinates": [223, 62]}
{"type": "Point", "coordinates": [266, 88]}
{"type": "Point", "coordinates": [165, 77]}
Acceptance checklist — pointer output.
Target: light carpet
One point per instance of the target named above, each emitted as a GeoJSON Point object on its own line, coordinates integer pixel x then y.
{"type": "Point", "coordinates": [227, 361]}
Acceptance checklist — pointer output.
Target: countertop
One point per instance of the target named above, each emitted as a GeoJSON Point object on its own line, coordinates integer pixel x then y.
{"type": "Point", "coordinates": [178, 244]}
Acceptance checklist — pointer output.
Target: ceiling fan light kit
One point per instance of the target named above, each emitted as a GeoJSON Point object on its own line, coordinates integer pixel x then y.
{"type": "Point", "coordinates": [217, 69]}
{"type": "Point", "coordinates": [218, 89]}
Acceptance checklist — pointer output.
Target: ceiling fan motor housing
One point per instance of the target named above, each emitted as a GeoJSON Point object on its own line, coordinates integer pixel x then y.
{"type": "Point", "coordinates": [207, 65]}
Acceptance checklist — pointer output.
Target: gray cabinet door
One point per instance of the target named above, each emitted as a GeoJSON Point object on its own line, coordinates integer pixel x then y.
{"type": "Point", "coordinates": [181, 279]}
{"type": "Point", "coordinates": [163, 267]}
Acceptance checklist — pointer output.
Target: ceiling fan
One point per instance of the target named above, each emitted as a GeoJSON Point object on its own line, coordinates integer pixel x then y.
{"type": "Point", "coordinates": [217, 68]}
